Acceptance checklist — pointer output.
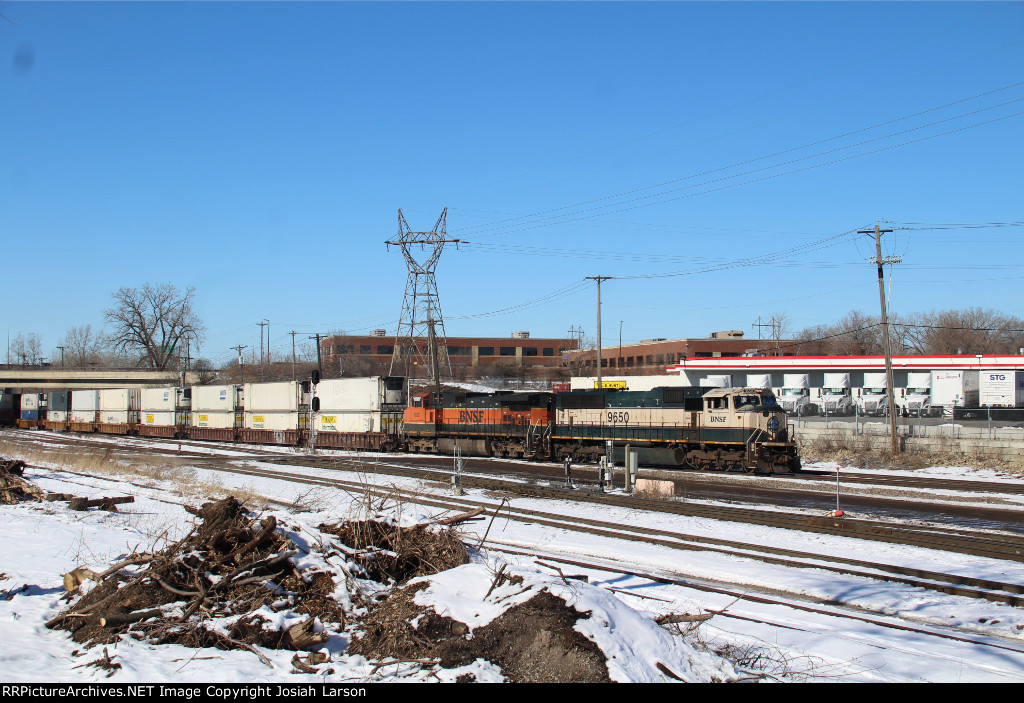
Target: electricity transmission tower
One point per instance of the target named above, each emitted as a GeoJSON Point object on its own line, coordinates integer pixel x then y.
{"type": "Point", "coordinates": [420, 321]}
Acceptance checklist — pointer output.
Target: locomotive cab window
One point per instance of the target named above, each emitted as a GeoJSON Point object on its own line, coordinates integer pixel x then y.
{"type": "Point", "coordinates": [744, 401]}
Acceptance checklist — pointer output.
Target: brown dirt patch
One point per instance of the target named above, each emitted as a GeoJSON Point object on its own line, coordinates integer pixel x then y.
{"type": "Point", "coordinates": [534, 642]}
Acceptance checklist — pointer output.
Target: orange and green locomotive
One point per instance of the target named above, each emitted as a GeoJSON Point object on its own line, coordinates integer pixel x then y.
{"type": "Point", "coordinates": [703, 428]}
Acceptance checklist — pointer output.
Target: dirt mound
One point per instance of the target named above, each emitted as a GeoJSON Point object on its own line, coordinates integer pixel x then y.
{"type": "Point", "coordinates": [204, 590]}
{"type": "Point", "coordinates": [533, 642]}
{"type": "Point", "coordinates": [391, 553]}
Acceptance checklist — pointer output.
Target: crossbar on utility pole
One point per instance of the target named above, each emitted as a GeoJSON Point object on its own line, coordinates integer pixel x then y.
{"type": "Point", "coordinates": [880, 263]}
{"type": "Point", "coordinates": [241, 367]}
{"type": "Point", "coordinates": [600, 384]}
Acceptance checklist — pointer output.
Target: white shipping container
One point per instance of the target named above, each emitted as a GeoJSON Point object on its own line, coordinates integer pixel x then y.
{"type": "Point", "coordinates": [1000, 389]}
{"type": "Point", "coordinates": [29, 401]}
{"type": "Point", "coordinates": [84, 406]}
{"type": "Point", "coordinates": [268, 397]}
{"type": "Point", "coordinates": [215, 398]}
{"type": "Point", "coordinates": [158, 418]}
{"type": "Point", "coordinates": [218, 419]}
{"type": "Point", "coordinates": [271, 420]}
{"type": "Point", "coordinates": [119, 405]}
{"type": "Point", "coordinates": [349, 421]}
{"type": "Point", "coordinates": [159, 399]}
{"type": "Point", "coordinates": [350, 394]}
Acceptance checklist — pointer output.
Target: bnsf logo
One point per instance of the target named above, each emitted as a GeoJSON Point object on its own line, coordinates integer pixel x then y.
{"type": "Point", "coordinates": [713, 418]}
{"type": "Point", "coordinates": [471, 416]}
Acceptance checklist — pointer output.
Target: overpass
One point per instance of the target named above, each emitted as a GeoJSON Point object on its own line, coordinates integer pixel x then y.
{"type": "Point", "coordinates": [18, 379]}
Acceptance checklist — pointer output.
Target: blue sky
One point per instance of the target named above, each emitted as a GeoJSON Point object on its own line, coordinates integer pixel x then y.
{"type": "Point", "coordinates": [260, 152]}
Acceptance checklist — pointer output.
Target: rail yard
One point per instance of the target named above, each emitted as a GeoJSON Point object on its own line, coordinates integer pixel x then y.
{"type": "Point", "coordinates": [793, 575]}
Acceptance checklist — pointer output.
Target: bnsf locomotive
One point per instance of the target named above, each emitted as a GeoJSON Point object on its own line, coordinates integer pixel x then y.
{"type": "Point", "coordinates": [716, 429]}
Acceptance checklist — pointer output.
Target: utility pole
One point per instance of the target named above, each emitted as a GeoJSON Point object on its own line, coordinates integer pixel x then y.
{"type": "Point", "coordinates": [241, 366]}
{"type": "Point", "coordinates": [262, 324]}
{"type": "Point", "coordinates": [600, 385]}
{"type": "Point", "coordinates": [760, 324]}
{"type": "Point", "coordinates": [61, 355]}
{"type": "Point", "coordinates": [880, 263]}
{"type": "Point", "coordinates": [319, 364]}
{"type": "Point", "coordinates": [293, 333]}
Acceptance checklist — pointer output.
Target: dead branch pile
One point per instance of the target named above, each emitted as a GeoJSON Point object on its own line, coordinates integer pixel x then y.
{"type": "Point", "coordinates": [14, 488]}
{"type": "Point", "coordinates": [390, 553]}
{"type": "Point", "coordinates": [204, 590]}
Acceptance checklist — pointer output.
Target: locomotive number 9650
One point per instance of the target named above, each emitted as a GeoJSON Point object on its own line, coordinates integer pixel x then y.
{"type": "Point", "coordinates": [617, 417]}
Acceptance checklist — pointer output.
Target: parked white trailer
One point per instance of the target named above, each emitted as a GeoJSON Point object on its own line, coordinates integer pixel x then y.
{"type": "Point", "coordinates": [954, 389]}
{"type": "Point", "coordinates": [1001, 389]}
{"type": "Point", "coordinates": [873, 398]}
{"type": "Point", "coordinates": [836, 396]}
{"type": "Point", "coordinates": [795, 397]}
{"type": "Point", "coordinates": [917, 396]}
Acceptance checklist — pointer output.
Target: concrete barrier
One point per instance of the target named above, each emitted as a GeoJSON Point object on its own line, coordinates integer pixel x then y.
{"type": "Point", "coordinates": [942, 441]}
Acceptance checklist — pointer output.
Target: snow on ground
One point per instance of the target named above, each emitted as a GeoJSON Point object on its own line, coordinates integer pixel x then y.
{"type": "Point", "coordinates": [41, 542]}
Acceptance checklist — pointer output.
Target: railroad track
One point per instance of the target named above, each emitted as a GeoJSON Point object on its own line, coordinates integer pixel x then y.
{"type": "Point", "coordinates": [680, 473]}
{"type": "Point", "coordinates": [973, 542]}
{"type": "Point", "coordinates": [830, 610]}
{"type": "Point", "coordinates": [953, 584]}
{"type": "Point", "coordinates": [944, 484]}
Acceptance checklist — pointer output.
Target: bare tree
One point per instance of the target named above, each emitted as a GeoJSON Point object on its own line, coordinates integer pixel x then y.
{"type": "Point", "coordinates": [155, 321]}
{"type": "Point", "coordinates": [82, 347]}
{"type": "Point", "coordinates": [27, 349]}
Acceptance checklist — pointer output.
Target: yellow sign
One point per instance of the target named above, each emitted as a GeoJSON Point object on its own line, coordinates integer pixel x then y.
{"type": "Point", "coordinates": [204, 418]}
{"type": "Point", "coordinates": [149, 419]}
{"type": "Point", "coordinates": [328, 419]}
{"type": "Point", "coordinates": [619, 385]}
{"type": "Point", "coordinates": [257, 418]}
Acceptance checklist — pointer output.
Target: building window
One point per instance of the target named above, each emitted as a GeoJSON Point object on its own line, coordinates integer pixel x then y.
{"type": "Point", "coordinates": [650, 358]}
{"type": "Point", "coordinates": [486, 351]}
{"type": "Point", "coordinates": [702, 353]}
{"type": "Point", "coordinates": [364, 348]}
{"type": "Point", "coordinates": [549, 351]}
{"type": "Point", "coordinates": [529, 351]}
{"type": "Point", "coordinates": [385, 349]}
{"type": "Point", "coordinates": [508, 351]}
{"type": "Point", "coordinates": [344, 349]}
{"type": "Point", "coordinates": [460, 351]}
